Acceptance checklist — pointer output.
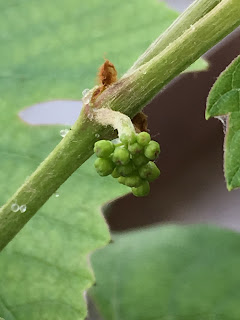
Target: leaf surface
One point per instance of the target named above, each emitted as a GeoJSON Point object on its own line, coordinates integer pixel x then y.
{"type": "Point", "coordinates": [224, 100]}
{"type": "Point", "coordinates": [51, 50]}
{"type": "Point", "coordinates": [169, 272]}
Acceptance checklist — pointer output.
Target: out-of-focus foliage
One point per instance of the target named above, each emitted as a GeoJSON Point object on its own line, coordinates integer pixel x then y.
{"type": "Point", "coordinates": [169, 272]}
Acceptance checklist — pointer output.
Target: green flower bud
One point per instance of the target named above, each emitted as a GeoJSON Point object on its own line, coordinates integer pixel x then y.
{"type": "Point", "coordinates": [152, 150]}
{"type": "Point", "coordinates": [103, 148]}
{"type": "Point", "coordinates": [133, 181]}
{"type": "Point", "coordinates": [121, 180]}
{"type": "Point", "coordinates": [128, 137]}
{"type": "Point", "coordinates": [139, 160]}
{"type": "Point", "coordinates": [115, 173]}
{"type": "Point", "coordinates": [104, 167]}
{"type": "Point", "coordinates": [149, 171]}
{"type": "Point", "coordinates": [126, 170]}
{"type": "Point", "coordinates": [143, 190]}
{"type": "Point", "coordinates": [143, 138]}
{"type": "Point", "coordinates": [121, 156]}
{"type": "Point", "coordinates": [135, 148]}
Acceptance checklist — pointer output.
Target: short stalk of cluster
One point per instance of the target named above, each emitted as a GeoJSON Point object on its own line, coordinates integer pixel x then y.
{"type": "Point", "coordinates": [131, 161]}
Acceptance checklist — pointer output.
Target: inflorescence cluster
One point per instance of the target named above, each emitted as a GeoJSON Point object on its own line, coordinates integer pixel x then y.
{"type": "Point", "coordinates": [131, 161]}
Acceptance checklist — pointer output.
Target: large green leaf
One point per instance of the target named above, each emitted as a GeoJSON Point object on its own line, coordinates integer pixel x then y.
{"type": "Point", "coordinates": [169, 273]}
{"type": "Point", "coordinates": [51, 50]}
{"type": "Point", "coordinates": [224, 100]}
{"type": "Point", "coordinates": [45, 269]}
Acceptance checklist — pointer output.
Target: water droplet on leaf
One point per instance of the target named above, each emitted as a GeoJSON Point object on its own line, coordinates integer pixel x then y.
{"type": "Point", "coordinates": [14, 207]}
{"type": "Point", "coordinates": [86, 96]}
{"type": "Point", "coordinates": [64, 132]}
{"type": "Point", "coordinates": [23, 208]}
{"type": "Point", "coordinates": [85, 92]}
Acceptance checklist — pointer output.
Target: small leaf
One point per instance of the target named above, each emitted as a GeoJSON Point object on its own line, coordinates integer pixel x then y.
{"type": "Point", "coordinates": [224, 99]}
{"type": "Point", "coordinates": [169, 272]}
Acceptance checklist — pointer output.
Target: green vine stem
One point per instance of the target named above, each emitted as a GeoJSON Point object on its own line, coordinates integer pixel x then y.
{"type": "Point", "coordinates": [133, 91]}
{"type": "Point", "coordinates": [74, 149]}
{"type": "Point", "coordinates": [186, 20]}
{"type": "Point", "coordinates": [129, 95]}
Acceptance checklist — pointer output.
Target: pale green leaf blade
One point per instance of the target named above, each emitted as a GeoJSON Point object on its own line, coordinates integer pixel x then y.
{"type": "Point", "coordinates": [224, 100]}
{"type": "Point", "coordinates": [169, 272]}
{"type": "Point", "coordinates": [45, 269]}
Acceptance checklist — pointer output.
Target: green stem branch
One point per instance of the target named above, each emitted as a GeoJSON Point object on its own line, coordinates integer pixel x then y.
{"type": "Point", "coordinates": [74, 149]}
{"type": "Point", "coordinates": [129, 95]}
{"type": "Point", "coordinates": [186, 20]}
{"type": "Point", "coordinates": [134, 90]}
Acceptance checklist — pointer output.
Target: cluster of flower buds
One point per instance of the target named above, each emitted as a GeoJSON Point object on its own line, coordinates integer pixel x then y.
{"type": "Point", "coordinates": [131, 162]}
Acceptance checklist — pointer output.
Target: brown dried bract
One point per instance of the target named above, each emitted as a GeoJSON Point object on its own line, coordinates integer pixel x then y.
{"type": "Point", "coordinates": [140, 122]}
{"type": "Point", "coordinates": [107, 75]}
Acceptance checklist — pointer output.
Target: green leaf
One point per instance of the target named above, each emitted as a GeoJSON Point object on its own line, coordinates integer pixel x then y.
{"type": "Point", "coordinates": [169, 272]}
{"type": "Point", "coordinates": [52, 50]}
{"type": "Point", "coordinates": [44, 270]}
{"type": "Point", "coordinates": [224, 100]}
